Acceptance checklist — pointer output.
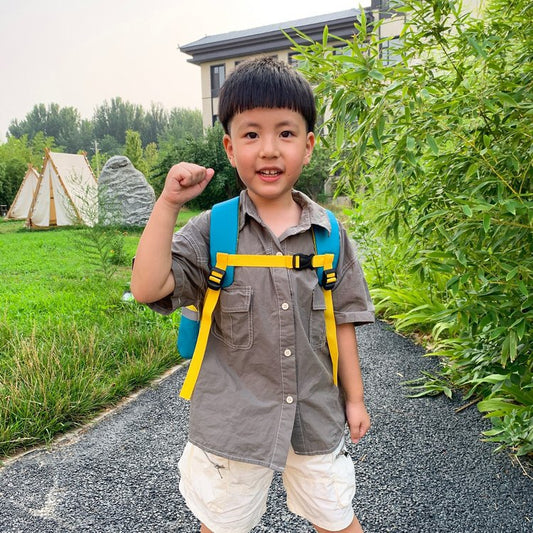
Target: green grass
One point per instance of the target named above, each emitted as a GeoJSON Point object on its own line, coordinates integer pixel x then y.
{"type": "Point", "coordinates": [69, 345]}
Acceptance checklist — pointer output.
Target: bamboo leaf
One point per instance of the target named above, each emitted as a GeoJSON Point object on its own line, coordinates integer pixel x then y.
{"type": "Point", "coordinates": [376, 75]}
{"type": "Point", "coordinates": [432, 143]}
{"type": "Point", "coordinates": [466, 210]}
{"type": "Point", "coordinates": [339, 135]}
{"type": "Point", "coordinates": [506, 99]}
{"type": "Point", "coordinates": [486, 222]}
{"type": "Point", "coordinates": [477, 47]}
{"type": "Point", "coordinates": [375, 138]}
{"type": "Point", "coordinates": [511, 274]}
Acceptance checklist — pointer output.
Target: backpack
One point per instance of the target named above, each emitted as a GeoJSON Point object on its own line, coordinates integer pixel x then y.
{"type": "Point", "coordinates": [194, 331]}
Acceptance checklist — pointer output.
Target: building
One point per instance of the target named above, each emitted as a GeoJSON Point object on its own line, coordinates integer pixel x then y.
{"type": "Point", "coordinates": [218, 55]}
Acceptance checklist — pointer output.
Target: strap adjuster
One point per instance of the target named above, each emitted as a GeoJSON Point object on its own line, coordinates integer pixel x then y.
{"type": "Point", "coordinates": [301, 261]}
{"type": "Point", "coordinates": [329, 278]}
{"type": "Point", "coordinates": [214, 281]}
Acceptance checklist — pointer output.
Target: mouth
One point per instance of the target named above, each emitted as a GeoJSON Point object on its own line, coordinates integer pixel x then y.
{"type": "Point", "coordinates": [269, 174]}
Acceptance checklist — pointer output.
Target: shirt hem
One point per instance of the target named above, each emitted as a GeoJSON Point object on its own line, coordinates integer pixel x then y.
{"type": "Point", "coordinates": [233, 457]}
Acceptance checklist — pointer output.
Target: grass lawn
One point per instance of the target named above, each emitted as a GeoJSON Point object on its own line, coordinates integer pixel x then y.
{"type": "Point", "coordinates": [69, 345]}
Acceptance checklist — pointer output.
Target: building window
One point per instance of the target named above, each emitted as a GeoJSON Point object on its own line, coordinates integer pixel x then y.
{"type": "Point", "coordinates": [218, 75]}
{"type": "Point", "coordinates": [293, 61]}
{"type": "Point", "coordinates": [342, 50]}
{"type": "Point", "coordinates": [389, 51]}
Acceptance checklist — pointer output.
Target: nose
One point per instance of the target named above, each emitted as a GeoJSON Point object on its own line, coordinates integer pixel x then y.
{"type": "Point", "coordinates": [269, 148]}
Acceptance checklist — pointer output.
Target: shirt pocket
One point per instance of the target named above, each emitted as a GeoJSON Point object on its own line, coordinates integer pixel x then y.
{"type": "Point", "coordinates": [317, 322]}
{"type": "Point", "coordinates": [233, 318]}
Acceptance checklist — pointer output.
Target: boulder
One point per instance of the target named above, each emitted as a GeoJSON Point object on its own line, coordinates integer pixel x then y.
{"type": "Point", "coordinates": [125, 198]}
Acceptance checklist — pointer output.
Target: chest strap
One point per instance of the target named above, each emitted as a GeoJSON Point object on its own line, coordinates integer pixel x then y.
{"type": "Point", "coordinates": [297, 262]}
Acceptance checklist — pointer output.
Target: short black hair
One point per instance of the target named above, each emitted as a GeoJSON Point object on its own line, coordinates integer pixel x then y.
{"type": "Point", "coordinates": [266, 82]}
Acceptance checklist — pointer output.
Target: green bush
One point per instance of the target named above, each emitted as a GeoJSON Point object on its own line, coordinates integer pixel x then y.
{"type": "Point", "coordinates": [436, 151]}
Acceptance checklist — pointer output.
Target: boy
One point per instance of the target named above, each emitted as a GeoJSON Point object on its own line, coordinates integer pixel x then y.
{"type": "Point", "coordinates": [264, 399]}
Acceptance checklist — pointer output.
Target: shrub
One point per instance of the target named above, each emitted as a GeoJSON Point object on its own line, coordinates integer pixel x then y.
{"type": "Point", "coordinates": [437, 150]}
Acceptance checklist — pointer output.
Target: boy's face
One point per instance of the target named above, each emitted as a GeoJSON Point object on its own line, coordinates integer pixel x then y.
{"type": "Point", "coordinates": [269, 148]}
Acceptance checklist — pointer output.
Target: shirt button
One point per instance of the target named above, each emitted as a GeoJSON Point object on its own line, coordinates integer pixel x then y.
{"type": "Point", "coordinates": [289, 399]}
{"type": "Point", "coordinates": [287, 353]}
{"type": "Point", "coordinates": [285, 306]}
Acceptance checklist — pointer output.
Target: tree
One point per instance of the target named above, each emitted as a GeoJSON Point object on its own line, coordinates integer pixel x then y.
{"type": "Point", "coordinates": [151, 155]}
{"type": "Point", "coordinates": [154, 124]}
{"type": "Point", "coordinates": [437, 149]}
{"type": "Point", "coordinates": [134, 152]}
{"type": "Point", "coordinates": [116, 117]}
{"type": "Point", "coordinates": [182, 124]}
{"type": "Point", "coordinates": [52, 121]}
{"type": "Point", "coordinates": [13, 165]}
{"type": "Point", "coordinates": [208, 152]}
{"type": "Point", "coordinates": [86, 138]}
{"type": "Point", "coordinates": [15, 155]}
{"type": "Point", "coordinates": [109, 146]}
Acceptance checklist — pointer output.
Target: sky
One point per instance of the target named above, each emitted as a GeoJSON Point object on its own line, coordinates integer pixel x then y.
{"type": "Point", "coordinates": [80, 53]}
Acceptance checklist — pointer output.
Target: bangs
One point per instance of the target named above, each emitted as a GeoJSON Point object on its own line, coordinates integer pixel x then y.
{"type": "Point", "coordinates": [266, 83]}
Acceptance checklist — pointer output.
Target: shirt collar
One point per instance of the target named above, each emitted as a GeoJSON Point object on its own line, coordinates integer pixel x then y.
{"type": "Point", "coordinates": [312, 213]}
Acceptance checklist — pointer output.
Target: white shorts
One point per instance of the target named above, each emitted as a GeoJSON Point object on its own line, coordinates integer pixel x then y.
{"type": "Point", "coordinates": [230, 496]}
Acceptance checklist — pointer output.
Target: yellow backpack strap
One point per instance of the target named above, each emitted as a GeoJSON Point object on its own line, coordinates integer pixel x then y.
{"type": "Point", "coordinates": [297, 261]}
{"type": "Point", "coordinates": [210, 301]}
{"type": "Point", "coordinates": [330, 278]}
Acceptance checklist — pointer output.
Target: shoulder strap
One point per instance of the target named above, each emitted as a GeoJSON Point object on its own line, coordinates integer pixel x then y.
{"type": "Point", "coordinates": [224, 233]}
{"type": "Point", "coordinates": [327, 242]}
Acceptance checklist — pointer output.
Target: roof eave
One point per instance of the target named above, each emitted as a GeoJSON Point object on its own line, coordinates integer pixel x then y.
{"type": "Point", "coordinates": [269, 41]}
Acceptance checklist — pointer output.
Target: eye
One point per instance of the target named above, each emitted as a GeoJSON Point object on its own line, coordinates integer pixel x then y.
{"type": "Point", "coordinates": [251, 135]}
{"type": "Point", "coordinates": [286, 134]}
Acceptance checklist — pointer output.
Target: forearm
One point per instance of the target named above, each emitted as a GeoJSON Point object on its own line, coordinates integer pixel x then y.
{"type": "Point", "coordinates": [351, 382]}
{"type": "Point", "coordinates": [349, 368]}
{"type": "Point", "coordinates": [151, 277]}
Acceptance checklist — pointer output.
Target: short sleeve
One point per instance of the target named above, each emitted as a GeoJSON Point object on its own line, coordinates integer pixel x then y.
{"type": "Point", "coordinates": [190, 265]}
{"type": "Point", "coordinates": [351, 297]}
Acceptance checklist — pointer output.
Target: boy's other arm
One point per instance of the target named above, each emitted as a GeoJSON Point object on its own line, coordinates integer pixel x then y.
{"type": "Point", "coordinates": [152, 277]}
{"type": "Point", "coordinates": [351, 382]}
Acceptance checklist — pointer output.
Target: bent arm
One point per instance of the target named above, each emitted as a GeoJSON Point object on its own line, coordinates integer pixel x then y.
{"type": "Point", "coordinates": [351, 382]}
{"type": "Point", "coordinates": [152, 277]}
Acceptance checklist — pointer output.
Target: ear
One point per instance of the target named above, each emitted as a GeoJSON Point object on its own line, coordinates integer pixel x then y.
{"type": "Point", "coordinates": [309, 146]}
{"type": "Point", "coordinates": [228, 146]}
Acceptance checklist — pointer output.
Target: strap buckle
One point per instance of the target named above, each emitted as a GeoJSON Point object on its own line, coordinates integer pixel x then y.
{"type": "Point", "coordinates": [301, 261]}
{"type": "Point", "coordinates": [329, 278]}
{"type": "Point", "coordinates": [214, 281]}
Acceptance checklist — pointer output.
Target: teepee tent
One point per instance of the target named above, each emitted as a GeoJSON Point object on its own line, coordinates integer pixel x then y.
{"type": "Point", "coordinates": [66, 194]}
{"type": "Point", "coordinates": [21, 204]}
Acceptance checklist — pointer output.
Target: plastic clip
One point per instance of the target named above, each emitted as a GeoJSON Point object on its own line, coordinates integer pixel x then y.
{"type": "Point", "coordinates": [329, 279]}
{"type": "Point", "coordinates": [301, 261]}
{"type": "Point", "coordinates": [215, 278]}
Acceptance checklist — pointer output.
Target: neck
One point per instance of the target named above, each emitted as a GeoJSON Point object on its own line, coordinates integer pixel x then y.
{"type": "Point", "coordinates": [280, 214]}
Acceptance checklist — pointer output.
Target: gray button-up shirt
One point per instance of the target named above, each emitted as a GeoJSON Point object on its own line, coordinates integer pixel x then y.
{"type": "Point", "coordinates": [266, 378]}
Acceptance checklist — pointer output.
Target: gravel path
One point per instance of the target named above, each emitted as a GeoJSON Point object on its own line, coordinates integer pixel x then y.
{"type": "Point", "coordinates": [421, 468]}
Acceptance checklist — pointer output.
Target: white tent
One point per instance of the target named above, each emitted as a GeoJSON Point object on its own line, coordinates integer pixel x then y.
{"type": "Point", "coordinates": [66, 194]}
{"type": "Point", "coordinates": [21, 204]}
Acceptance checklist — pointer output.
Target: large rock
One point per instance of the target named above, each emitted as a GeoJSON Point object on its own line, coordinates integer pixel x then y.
{"type": "Point", "coordinates": [125, 198]}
